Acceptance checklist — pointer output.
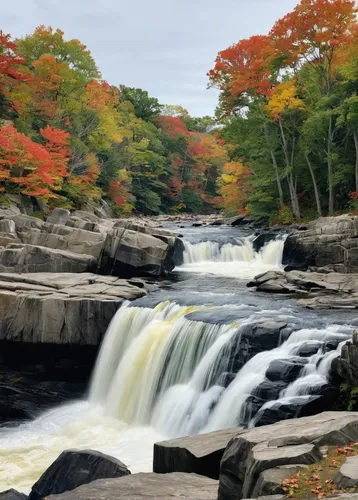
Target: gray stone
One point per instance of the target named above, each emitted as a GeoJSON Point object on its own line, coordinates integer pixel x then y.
{"type": "Point", "coordinates": [200, 454]}
{"type": "Point", "coordinates": [147, 487]}
{"type": "Point", "coordinates": [251, 452]}
{"type": "Point", "coordinates": [73, 468]}
{"type": "Point", "coordinates": [130, 253]}
{"type": "Point", "coordinates": [347, 476]}
{"type": "Point", "coordinates": [59, 216]}
{"type": "Point", "coordinates": [270, 480]}
{"type": "Point", "coordinates": [26, 222]}
{"type": "Point", "coordinates": [12, 495]}
{"type": "Point", "coordinates": [17, 258]}
{"type": "Point", "coordinates": [60, 308]}
{"type": "Point", "coordinates": [8, 227]}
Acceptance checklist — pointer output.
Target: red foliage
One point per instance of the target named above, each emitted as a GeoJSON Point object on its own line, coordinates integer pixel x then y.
{"type": "Point", "coordinates": [9, 60]}
{"type": "Point", "coordinates": [38, 169]}
{"type": "Point", "coordinates": [119, 193]}
{"type": "Point", "coordinates": [172, 126]}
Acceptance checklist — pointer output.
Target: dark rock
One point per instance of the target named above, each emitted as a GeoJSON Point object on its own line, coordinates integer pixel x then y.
{"type": "Point", "coordinates": [12, 495]}
{"type": "Point", "coordinates": [200, 454]}
{"type": "Point", "coordinates": [262, 240]}
{"type": "Point", "coordinates": [284, 409]}
{"type": "Point", "coordinates": [284, 370]}
{"type": "Point", "coordinates": [74, 468]}
{"type": "Point", "coordinates": [251, 452]}
{"type": "Point", "coordinates": [147, 487]}
{"type": "Point", "coordinates": [268, 390]}
{"type": "Point", "coordinates": [270, 480]}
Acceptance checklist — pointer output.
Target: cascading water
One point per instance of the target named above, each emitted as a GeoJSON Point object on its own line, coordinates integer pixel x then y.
{"type": "Point", "coordinates": [236, 259]}
{"type": "Point", "coordinates": [174, 370]}
{"type": "Point", "coordinates": [169, 372]}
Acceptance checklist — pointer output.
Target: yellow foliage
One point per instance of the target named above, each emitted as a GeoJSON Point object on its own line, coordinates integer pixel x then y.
{"type": "Point", "coordinates": [284, 97]}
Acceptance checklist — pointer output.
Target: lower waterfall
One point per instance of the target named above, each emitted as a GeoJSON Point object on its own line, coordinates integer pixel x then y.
{"type": "Point", "coordinates": [161, 367]}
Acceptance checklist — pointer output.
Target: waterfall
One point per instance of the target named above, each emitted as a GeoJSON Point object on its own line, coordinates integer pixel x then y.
{"type": "Point", "coordinates": [157, 367]}
{"type": "Point", "coordinates": [237, 259]}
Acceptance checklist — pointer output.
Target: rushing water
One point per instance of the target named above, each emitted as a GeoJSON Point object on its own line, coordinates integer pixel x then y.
{"type": "Point", "coordinates": [170, 363]}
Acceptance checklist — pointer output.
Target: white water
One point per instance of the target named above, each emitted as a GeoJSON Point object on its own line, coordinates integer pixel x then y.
{"type": "Point", "coordinates": [239, 261]}
{"type": "Point", "coordinates": [156, 376]}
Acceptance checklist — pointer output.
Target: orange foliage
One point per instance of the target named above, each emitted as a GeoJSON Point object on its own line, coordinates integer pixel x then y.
{"type": "Point", "coordinates": [314, 29]}
{"type": "Point", "coordinates": [38, 169]}
{"type": "Point", "coordinates": [100, 95]}
{"type": "Point", "coordinates": [235, 186]}
{"type": "Point", "coordinates": [245, 67]}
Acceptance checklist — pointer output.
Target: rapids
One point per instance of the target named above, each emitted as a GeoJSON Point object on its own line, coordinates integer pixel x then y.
{"type": "Point", "coordinates": [173, 363]}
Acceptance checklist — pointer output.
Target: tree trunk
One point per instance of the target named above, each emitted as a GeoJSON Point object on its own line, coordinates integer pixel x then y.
{"type": "Point", "coordinates": [315, 187]}
{"type": "Point", "coordinates": [355, 135]}
{"type": "Point", "coordinates": [330, 168]}
{"type": "Point", "coordinates": [291, 184]}
{"type": "Point", "coordinates": [277, 174]}
{"type": "Point", "coordinates": [278, 180]}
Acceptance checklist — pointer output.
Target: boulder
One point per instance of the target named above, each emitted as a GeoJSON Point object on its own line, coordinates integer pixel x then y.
{"type": "Point", "coordinates": [12, 495]}
{"type": "Point", "coordinates": [285, 408]}
{"type": "Point", "coordinates": [328, 241]}
{"type": "Point", "coordinates": [60, 308]}
{"type": "Point", "coordinates": [132, 253]}
{"type": "Point", "coordinates": [27, 222]}
{"type": "Point", "coordinates": [284, 370]}
{"type": "Point", "coordinates": [270, 480]}
{"type": "Point", "coordinates": [59, 216]}
{"type": "Point", "coordinates": [18, 258]}
{"type": "Point", "coordinates": [147, 487]}
{"type": "Point", "coordinates": [347, 476]}
{"type": "Point", "coordinates": [285, 443]}
{"type": "Point", "coordinates": [73, 468]}
{"type": "Point", "coordinates": [200, 454]}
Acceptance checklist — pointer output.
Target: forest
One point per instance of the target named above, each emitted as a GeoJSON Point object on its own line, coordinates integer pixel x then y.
{"type": "Point", "coordinates": [283, 143]}
{"type": "Point", "coordinates": [288, 100]}
{"type": "Point", "coordinates": [70, 138]}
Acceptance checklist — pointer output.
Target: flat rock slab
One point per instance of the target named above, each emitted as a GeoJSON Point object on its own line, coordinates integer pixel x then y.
{"type": "Point", "coordinates": [147, 486]}
{"type": "Point", "coordinates": [73, 468]}
{"type": "Point", "coordinates": [347, 476]}
{"type": "Point", "coordinates": [251, 452]}
{"type": "Point", "coordinates": [200, 454]}
{"type": "Point", "coordinates": [61, 308]}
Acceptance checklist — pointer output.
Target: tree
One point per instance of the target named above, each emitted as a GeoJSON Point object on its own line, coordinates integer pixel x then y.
{"type": "Point", "coordinates": [10, 61]}
{"type": "Point", "coordinates": [145, 107]}
{"type": "Point", "coordinates": [38, 170]}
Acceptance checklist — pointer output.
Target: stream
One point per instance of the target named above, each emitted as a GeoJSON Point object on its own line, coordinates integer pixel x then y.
{"type": "Point", "coordinates": [200, 353]}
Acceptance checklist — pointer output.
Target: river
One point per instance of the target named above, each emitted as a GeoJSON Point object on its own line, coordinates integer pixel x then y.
{"type": "Point", "coordinates": [171, 364]}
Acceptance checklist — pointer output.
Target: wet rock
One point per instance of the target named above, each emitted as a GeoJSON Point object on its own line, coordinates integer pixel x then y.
{"type": "Point", "coordinates": [268, 390]}
{"type": "Point", "coordinates": [251, 452]}
{"type": "Point", "coordinates": [266, 335]}
{"type": "Point", "coordinates": [308, 349]}
{"type": "Point", "coordinates": [200, 454]}
{"type": "Point", "coordinates": [262, 240]}
{"type": "Point", "coordinates": [225, 379]}
{"type": "Point", "coordinates": [147, 487]}
{"type": "Point", "coordinates": [347, 477]}
{"type": "Point", "coordinates": [270, 480]}
{"type": "Point", "coordinates": [288, 408]}
{"type": "Point", "coordinates": [74, 468]}
{"type": "Point", "coordinates": [283, 370]}
{"type": "Point", "coordinates": [198, 224]}
{"type": "Point", "coordinates": [12, 495]}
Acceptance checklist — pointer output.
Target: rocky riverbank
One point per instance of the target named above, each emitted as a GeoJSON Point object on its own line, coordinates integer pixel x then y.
{"type": "Point", "coordinates": [229, 465]}
{"type": "Point", "coordinates": [61, 282]}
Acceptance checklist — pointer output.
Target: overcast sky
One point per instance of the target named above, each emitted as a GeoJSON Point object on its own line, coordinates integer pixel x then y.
{"type": "Point", "coordinates": [163, 46]}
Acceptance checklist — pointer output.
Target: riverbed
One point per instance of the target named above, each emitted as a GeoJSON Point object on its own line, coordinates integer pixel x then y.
{"type": "Point", "coordinates": [172, 363]}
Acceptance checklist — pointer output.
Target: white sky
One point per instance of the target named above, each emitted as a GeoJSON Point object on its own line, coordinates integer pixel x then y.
{"type": "Point", "coordinates": [163, 46]}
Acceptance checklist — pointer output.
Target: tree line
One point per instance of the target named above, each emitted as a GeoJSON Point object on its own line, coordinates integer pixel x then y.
{"type": "Point", "coordinates": [289, 106]}
{"type": "Point", "coordinates": [69, 138]}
